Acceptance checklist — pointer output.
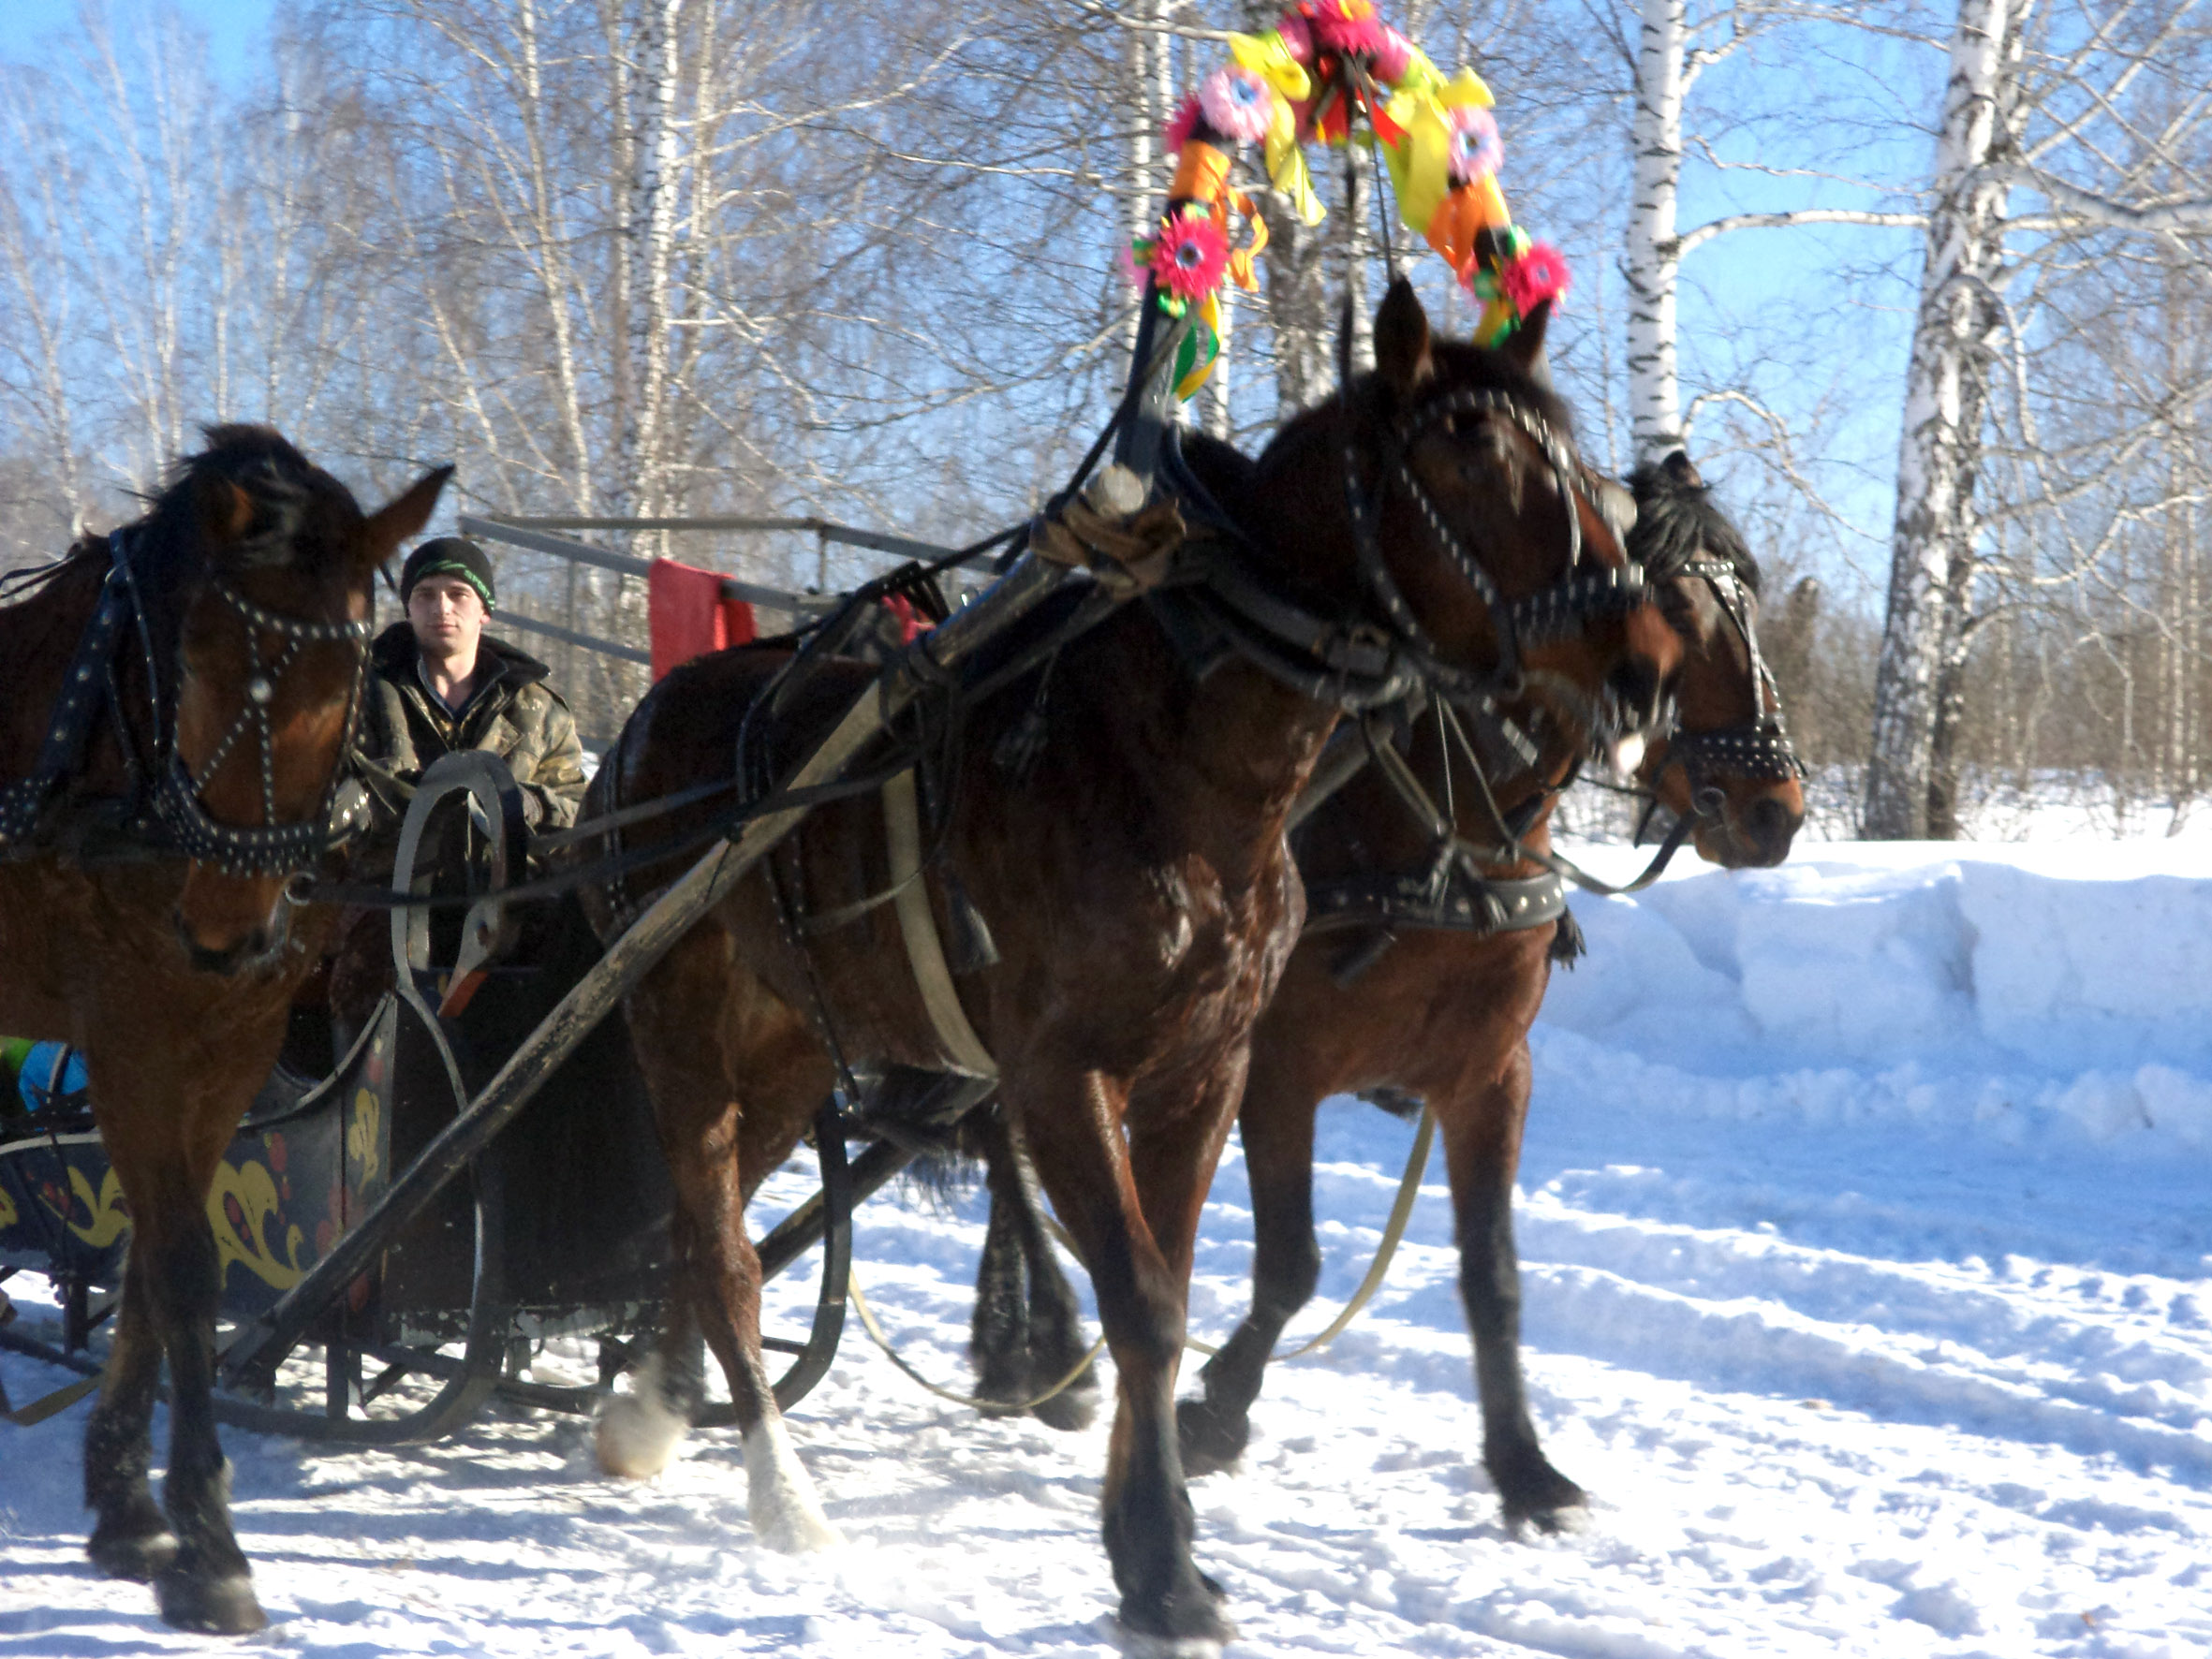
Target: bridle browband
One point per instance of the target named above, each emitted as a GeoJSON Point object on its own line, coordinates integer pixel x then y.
{"type": "Point", "coordinates": [166, 813]}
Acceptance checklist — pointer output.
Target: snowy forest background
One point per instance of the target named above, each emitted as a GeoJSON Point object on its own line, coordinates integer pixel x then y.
{"type": "Point", "coordinates": [1923, 284]}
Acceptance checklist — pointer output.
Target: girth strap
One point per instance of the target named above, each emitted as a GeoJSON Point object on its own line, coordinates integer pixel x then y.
{"type": "Point", "coordinates": [918, 926]}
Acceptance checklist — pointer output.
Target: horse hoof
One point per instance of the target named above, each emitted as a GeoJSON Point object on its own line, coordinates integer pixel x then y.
{"type": "Point", "coordinates": [217, 1607]}
{"type": "Point", "coordinates": [1189, 1624]}
{"type": "Point", "coordinates": [637, 1435]}
{"type": "Point", "coordinates": [1213, 1441]}
{"type": "Point", "coordinates": [797, 1532]}
{"type": "Point", "coordinates": [136, 1548]}
{"type": "Point", "coordinates": [1535, 1495]}
{"type": "Point", "coordinates": [1072, 1410]}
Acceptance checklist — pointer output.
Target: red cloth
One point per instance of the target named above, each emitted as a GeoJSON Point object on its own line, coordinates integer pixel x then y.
{"type": "Point", "coordinates": [689, 615]}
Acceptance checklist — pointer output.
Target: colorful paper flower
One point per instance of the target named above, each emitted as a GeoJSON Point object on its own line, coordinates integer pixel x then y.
{"type": "Point", "coordinates": [1237, 104]}
{"type": "Point", "coordinates": [1475, 150]}
{"type": "Point", "coordinates": [1297, 36]}
{"type": "Point", "coordinates": [1127, 263]}
{"type": "Point", "coordinates": [1189, 256]}
{"type": "Point", "coordinates": [1393, 56]}
{"type": "Point", "coordinates": [1183, 125]}
{"type": "Point", "coordinates": [1348, 26]}
{"type": "Point", "coordinates": [1537, 275]}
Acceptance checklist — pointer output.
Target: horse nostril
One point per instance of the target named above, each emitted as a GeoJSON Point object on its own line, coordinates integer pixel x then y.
{"type": "Point", "coordinates": [221, 961]}
{"type": "Point", "coordinates": [1769, 827]}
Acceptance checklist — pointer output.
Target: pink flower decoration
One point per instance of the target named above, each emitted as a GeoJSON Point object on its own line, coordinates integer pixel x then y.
{"type": "Point", "coordinates": [1476, 151]}
{"type": "Point", "coordinates": [1190, 256]}
{"type": "Point", "coordinates": [1237, 104]}
{"type": "Point", "coordinates": [1181, 126]}
{"type": "Point", "coordinates": [1350, 27]}
{"type": "Point", "coordinates": [1537, 275]}
{"type": "Point", "coordinates": [1393, 57]}
{"type": "Point", "coordinates": [1297, 37]}
{"type": "Point", "coordinates": [1125, 262]}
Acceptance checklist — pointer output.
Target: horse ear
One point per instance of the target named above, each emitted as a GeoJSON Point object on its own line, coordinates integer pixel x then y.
{"type": "Point", "coordinates": [1402, 339]}
{"type": "Point", "coordinates": [403, 516]}
{"type": "Point", "coordinates": [1525, 344]}
{"type": "Point", "coordinates": [226, 510]}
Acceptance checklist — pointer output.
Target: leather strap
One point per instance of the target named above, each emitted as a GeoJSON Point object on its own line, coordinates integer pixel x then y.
{"type": "Point", "coordinates": [917, 927]}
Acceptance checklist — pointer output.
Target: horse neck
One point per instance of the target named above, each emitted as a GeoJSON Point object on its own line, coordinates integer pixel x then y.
{"type": "Point", "coordinates": [38, 639]}
{"type": "Point", "coordinates": [38, 636]}
{"type": "Point", "coordinates": [1214, 764]}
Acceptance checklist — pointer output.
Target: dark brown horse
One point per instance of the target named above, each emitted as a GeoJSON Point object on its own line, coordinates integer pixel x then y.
{"type": "Point", "coordinates": [142, 907]}
{"type": "Point", "coordinates": [1131, 865]}
{"type": "Point", "coordinates": [1443, 1016]}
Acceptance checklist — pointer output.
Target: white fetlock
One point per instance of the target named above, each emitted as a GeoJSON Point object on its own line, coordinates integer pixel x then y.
{"type": "Point", "coordinates": [637, 1435]}
{"type": "Point", "coordinates": [786, 1516]}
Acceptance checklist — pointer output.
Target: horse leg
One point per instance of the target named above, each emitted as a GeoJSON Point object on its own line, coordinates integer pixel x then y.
{"type": "Point", "coordinates": [1276, 1127]}
{"type": "Point", "coordinates": [717, 1150]}
{"type": "Point", "coordinates": [1024, 1343]}
{"type": "Point", "coordinates": [164, 1147]}
{"type": "Point", "coordinates": [998, 1332]}
{"type": "Point", "coordinates": [1105, 1188]}
{"type": "Point", "coordinates": [130, 1535]}
{"type": "Point", "coordinates": [1481, 1127]}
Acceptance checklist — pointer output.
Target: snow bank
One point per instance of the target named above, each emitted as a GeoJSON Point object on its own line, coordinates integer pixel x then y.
{"type": "Point", "coordinates": [2071, 987]}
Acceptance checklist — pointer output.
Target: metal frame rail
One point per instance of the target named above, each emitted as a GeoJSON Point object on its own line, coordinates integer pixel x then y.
{"type": "Point", "coordinates": [537, 533]}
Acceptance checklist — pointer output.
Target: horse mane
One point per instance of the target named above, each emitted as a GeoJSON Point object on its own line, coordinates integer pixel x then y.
{"type": "Point", "coordinates": [1676, 518]}
{"type": "Point", "coordinates": [1460, 366]}
{"type": "Point", "coordinates": [279, 481]}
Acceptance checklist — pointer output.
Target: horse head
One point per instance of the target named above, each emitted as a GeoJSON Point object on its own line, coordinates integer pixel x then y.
{"type": "Point", "coordinates": [1447, 478]}
{"type": "Point", "coordinates": [262, 563]}
{"type": "Point", "coordinates": [1729, 759]}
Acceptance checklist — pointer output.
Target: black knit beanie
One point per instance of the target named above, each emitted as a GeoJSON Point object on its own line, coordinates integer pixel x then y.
{"type": "Point", "coordinates": [449, 555]}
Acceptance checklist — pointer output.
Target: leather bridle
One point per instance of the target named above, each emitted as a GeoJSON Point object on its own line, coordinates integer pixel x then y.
{"type": "Point", "coordinates": [1758, 747]}
{"type": "Point", "coordinates": [166, 812]}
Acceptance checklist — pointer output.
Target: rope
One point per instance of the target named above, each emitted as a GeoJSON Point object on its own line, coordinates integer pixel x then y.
{"type": "Point", "coordinates": [1401, 1213]}
{"type": "Point", "coordinates": [48, 1405]}
{"type": "Point", "coordinates": [867, 1315]}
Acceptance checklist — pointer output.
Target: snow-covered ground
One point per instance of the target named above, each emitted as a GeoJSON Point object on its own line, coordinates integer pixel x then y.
{"type": "Point", "coordinates": [1865, 1225]}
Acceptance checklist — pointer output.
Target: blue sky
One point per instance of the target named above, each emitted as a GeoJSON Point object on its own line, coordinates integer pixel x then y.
{"type": "Point", "coordinates": [234, 27]}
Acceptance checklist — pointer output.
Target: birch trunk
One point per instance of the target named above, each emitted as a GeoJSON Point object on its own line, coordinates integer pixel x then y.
{"type": "Point", "coordinates": [1296, 280]}
{"type": "Point", "coordinates": [1932, 555]}
{"type": "Point", "coordinates": [1651, 266]}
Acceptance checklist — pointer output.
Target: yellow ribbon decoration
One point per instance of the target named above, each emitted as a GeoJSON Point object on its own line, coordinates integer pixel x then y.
{"type": "Point", "coordinates": [1268, 57]}
{"type": "Point", "coordinates": [1286, 166]}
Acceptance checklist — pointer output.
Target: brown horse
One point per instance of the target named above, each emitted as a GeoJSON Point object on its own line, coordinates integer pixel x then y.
{"type": "Point", "coordinates": [144, 913]}
{"type": "Point", "coordinates": [1443, 1016]}
{"type": "Point", "coordinates": [1727, 763]}
{"type": "Point", "coordinates": [1130, 864]}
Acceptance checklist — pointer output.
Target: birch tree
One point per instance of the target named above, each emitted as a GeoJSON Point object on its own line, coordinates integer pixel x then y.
{"type": "Point", "coordinates": [2075, 85]}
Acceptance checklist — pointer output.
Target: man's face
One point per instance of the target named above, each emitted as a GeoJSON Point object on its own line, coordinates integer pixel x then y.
{"type": "Point", "coordinates": [446, 615]}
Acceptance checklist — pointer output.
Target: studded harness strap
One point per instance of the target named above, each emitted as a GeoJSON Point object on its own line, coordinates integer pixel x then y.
{"type": "Point", "coordinates": [1564, 609]}
{"type": "Point", "coordinates": [1759, 746]}
{"type": "Point", "coordinates": [172, 816]}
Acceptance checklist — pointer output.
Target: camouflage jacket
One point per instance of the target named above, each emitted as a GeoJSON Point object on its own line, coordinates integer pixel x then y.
{"type": "Point", "coordinates": [512, 712]}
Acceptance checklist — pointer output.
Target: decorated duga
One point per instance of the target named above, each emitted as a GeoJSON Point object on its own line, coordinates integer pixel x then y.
{"type": "Point", "coordinates": [1332, 74]}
